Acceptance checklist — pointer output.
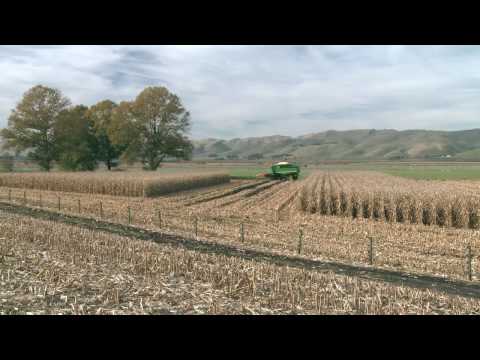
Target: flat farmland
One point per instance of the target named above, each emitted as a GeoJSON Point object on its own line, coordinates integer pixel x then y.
{"type": "Point", "coordinates": [66, 270]}
{"type": "Point", "coordinates": [236, 170]}
{"type": "Point", "coordinates": [421, 170]}
{"type": "Point", "coordinates": [362, 218]}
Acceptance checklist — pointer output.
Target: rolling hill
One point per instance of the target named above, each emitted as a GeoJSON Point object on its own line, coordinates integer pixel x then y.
{"type": "Point", "coordinates": [345, 145]}
{"type": "Point", "coordinates": [348, 145]}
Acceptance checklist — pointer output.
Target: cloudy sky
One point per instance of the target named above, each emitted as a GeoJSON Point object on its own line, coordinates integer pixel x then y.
{"type": "Point", "coordinates": [239, 91]}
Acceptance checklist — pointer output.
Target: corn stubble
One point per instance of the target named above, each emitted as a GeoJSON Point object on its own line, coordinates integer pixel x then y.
{"type": "Point", "coordinates": [52, 268]}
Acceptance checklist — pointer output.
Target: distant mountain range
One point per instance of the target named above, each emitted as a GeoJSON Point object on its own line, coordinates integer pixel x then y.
{"type": "Point", "coordinates": [345, 145]}
{"type": "Point", "coordinates": [348, 145]}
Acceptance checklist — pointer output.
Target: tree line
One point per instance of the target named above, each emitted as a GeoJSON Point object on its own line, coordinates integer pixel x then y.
{"type": "Point", "coordinates": [78, 138]}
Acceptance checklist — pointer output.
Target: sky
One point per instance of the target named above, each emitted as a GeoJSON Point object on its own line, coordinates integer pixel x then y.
{"type": "Point", "coordinates": [246, 91]}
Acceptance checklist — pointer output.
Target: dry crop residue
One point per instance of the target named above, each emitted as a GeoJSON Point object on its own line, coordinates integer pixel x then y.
{"type": "Point", "coordinates": [51, 268]}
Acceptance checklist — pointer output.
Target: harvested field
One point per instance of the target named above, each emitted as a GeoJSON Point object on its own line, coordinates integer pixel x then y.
{"type": "Point", "coordinates": [411, 247]}
{"type": "Point", "coordinates": [50, 268]}
{"type": "Point", "coordinates": [355, 218]}
{"type": "Point", "coordinates": [125, 184]}
{"type": "Point", "coordinates": [214, 195]}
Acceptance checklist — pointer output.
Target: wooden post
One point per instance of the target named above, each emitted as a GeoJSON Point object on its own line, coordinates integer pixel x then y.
{"type": "Point", "coordinates": [469, 262]}
{"type": "Point", "coordinates": [41, 203]}
{"type": "Point", "coordinates": [129, 215]}
{"type": "Point", "coordinates": [242, 232]}
{"type": "Point", "coordinates": [101, 210]}
{"type": "Point", "coordinates": [300, 241]}
{"type": "Point", "coordinates": [370, 251]}
{"type": "Point", "coordinates": [59, 203]}
{"type": "Point", "coordinates": [159, 219]}
{"type": "Point", "coordinates": [24, 198]}
{"type": "Point", "coordinates": [9, 195]}
{"type": "Point", "coordinates": [196, 227]}
{"type": "Point", "coordinates": [79, 207]}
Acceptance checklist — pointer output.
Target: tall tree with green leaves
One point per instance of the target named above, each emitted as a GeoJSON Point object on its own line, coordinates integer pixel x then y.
{"type": "Point", "coordinates": [101, 116]}
{"type": "Point", "coordinates": [31, 124]}
{"type": "Point", "coordinates": [152, 127]}
{"type": "Point", "coordinates": [76, 143]}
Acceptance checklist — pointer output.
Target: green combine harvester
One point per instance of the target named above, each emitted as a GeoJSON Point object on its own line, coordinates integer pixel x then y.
{"type": "Point", "coordinates": [283, 171]}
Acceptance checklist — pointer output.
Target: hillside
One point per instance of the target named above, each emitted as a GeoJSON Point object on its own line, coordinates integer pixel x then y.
{"type": "Point", "coordinates": [345, 145]}
{"type": "Point", "coordinates": [348, 145]}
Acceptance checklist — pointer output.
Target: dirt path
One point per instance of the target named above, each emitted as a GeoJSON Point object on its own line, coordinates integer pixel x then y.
{"type": "Point", "coordinates": [450, 286]}
{"type": "Point", "coordinates": [223, 194]}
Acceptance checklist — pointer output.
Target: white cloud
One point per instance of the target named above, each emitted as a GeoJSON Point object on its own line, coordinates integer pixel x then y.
{"type": "Point", "coordinates": [235, 91]}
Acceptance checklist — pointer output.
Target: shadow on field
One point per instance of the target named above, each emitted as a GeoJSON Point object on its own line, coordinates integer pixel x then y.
{"type": "Point", "coordinates": [449, 286]}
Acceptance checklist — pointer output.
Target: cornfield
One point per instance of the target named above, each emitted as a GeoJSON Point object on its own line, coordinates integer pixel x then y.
{"type": "Point", "coordinates": [391, 199]}
{"type": "Point", "coordinates": [335, 214]}
{"type": "Point", "coordinates": [412, 247]}
{"type": "Point", "coordinates": [128, 184]}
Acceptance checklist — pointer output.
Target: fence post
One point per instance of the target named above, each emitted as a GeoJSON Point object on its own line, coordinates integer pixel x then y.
{"type": "Point", "coordinates": [129, 215]}
{"type": "Point", "coordinates": [79, 208]}
{"type": "Point", "coordinates": [24, 198]}
{"type": "Point", "coordinates": [101, 210]}
{"type": "Point", "coordinates": [469, 262]}
{"type": "Point", "coordinates": [159, 219]}
{"type": "Point", "coordinates": [9, 195]}
{"type": "Point", "coordinates": [59, 203]}
{"type": "Point", "coordinates": [300, 241]}
{"type": "Point", "coordinates": [196, 227]}
{"type": "Point", "coordinates": [242, 233]}
{"type": "Point", "coordinates": [41, 203]}
{"type": "Point", "coordinates": [370, 251]}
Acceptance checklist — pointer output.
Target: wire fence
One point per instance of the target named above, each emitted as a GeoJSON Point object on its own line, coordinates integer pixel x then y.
{"type": "Point", "coordinates": [280, 236]}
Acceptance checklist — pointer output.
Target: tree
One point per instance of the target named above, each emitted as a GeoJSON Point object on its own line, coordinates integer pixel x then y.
{"type": "Point", "coordinates": [31, 124]}
{"type": "Point", "coordinates": [7, 162]}
{"type": "Point", "coordinates": [76, 144]}
{"type": "Point", "coordinates": [152, 127]}
{"type": "Point", "coordinates": [101, 116]}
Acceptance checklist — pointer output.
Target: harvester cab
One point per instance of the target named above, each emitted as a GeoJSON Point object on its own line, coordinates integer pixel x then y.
{"type": "Point", "coordinates": [283, 171]}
